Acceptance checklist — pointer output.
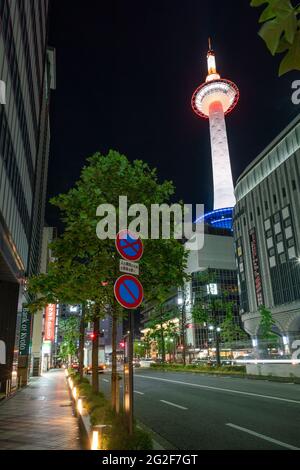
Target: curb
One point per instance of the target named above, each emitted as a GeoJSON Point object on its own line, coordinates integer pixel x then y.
{"type": "Point", "coordinates": [159, 442]}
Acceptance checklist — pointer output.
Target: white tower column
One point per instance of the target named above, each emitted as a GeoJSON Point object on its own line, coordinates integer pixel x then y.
{"type": "Point", "coordinates": [223, 183]}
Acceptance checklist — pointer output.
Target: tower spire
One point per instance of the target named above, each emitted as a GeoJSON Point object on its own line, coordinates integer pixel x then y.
{"type": "Point", "coordinates": [209, 45]}
{"type": "Point", "coordinates": [211, 64]}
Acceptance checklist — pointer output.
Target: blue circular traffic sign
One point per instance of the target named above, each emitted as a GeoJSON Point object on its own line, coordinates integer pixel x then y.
{"type": "Point", "coordinates": [129, 246]}
{"type": "Point", "coordinates": [128, 291]}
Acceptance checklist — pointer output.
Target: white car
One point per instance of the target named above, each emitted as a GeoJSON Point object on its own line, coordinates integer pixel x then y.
{"type": "Point", "coordinates": [146, 362]}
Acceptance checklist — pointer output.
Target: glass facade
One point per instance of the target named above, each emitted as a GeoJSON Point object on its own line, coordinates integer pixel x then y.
{"type": "Point", "coordinates": [25, 67]}
{"type": "Point", "coordinates": [212, 289]}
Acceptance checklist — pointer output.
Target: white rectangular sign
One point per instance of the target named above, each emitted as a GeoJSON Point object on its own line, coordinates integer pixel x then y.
{"type": "Point", "coordinates": [129, 267]}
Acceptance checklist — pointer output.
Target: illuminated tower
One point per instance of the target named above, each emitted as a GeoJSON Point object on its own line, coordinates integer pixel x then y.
{"type": "Point", "coordinates": [213, 100]}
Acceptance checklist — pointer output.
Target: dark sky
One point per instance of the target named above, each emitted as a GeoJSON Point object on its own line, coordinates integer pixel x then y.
{"type": "Point", "coordinates": [126, 70]}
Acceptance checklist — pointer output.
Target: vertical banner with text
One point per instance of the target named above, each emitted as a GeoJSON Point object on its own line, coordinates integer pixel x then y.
{"type": "Point", "coordinates": [25, 333]}
{"type": "Point", "coordinates": [50, 319]}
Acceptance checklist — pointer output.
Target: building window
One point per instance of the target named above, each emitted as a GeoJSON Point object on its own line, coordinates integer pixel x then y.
{"type": "Point", "coordinates": [251, 216]}
{"type": "Point", "coordinates": [292, 252]}
{"type": "Point", "coordinates": [274, 199]}
{"type": "Point", "coordinates": [266, 205]}
{"type": "Point", "coordinates": [272, 252]}
{"type": "Point", "coordinates": [272, 262]}
{"type": "Point", "coordinates": [288, 233]}
{"type": "Point", "coordinates": [258, 210]}
{"type": "Point", "coordinates": [282, 258]}
{"type": "Point", "coordinates": [280, 248]}
{"type": "Point", "coordinates": [291, 242]}
{"type": "Point", "coordinates": [287, 222]}
{"type": "Point", "coordinates": [277, 228]}
{"type": "Point", "coordinates": [283, 192]}
{"type": "Point", "coordinates": [267, 224]}
{"type": "Point", "coordinates": [294, 185]}
{"type": "Point", "coordinates": [244, 220]}
{"type": "Point", "coordinates": [269, 233]}
{"type": "Point", "coordinates": [279, 238]}
{"type": "Point", "coordinates": [285, 212]}
{"type": "Point", "coordinates": [276, 217]}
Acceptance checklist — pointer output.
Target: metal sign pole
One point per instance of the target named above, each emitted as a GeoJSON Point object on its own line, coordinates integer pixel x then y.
{"type": "Point", "coordinates": [128, 374]}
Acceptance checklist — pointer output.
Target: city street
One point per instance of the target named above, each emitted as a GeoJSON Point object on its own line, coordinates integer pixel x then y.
{"type": "Point", "coordinates": [193, 411]}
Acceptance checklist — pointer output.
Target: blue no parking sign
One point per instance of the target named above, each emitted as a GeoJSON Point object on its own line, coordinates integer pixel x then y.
{"type": "Point", "coordinates": [128, 291]}
{"type": "Point", "coordinates": [129, 246]}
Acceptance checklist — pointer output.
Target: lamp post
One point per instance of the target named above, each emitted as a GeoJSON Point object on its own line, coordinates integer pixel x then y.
{"type": "Point", "coordinates": [218, 330]}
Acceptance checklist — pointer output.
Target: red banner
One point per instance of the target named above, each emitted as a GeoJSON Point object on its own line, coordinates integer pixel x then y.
{"type": "Point", "coordinates": [50, 322]}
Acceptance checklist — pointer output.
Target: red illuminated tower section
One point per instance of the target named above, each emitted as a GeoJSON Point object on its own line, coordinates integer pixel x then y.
{"type": "Point", "coordinates": [213, 100]}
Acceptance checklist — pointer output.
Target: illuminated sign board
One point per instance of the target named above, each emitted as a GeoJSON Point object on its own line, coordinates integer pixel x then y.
{"type": "Point", "coordinates": [25, 333]}
{"type": "Point", "coordinates": [256, 268]}
{"type": "Point", "coordinates": [50, 322]}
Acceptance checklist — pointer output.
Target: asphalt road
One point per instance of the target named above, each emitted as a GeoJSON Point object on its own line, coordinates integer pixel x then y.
{"type": "Point", "coordinates": [200, 412]}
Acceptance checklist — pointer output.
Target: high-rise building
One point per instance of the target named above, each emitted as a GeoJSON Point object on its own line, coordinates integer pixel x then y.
{"type": "Point", "coordinates": [27, 68]}
{"type": "Point", "coordinates": [267, 236]}
{"type": "Point", "coordinates": [213, 100]}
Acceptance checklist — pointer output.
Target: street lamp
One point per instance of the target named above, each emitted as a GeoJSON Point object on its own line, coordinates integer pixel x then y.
{"type": "Point", "coordinates": [218, 330]}
{"type": "Point", "coordinates": [2, 92]}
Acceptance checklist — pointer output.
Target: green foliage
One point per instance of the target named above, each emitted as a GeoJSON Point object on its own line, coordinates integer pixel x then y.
{"type": "Point", "coordinates": [70, 332]}
{"type": "Point", "coordinates": [230, 330]}
{"type": "Point", "coordinates": [206, 368]}
{"type": "Point", "coordinates": [82, 261]}
{"type": "Point", "coordinates": [266, 323]}
{"type": "Point", "coordinates": [163, 330]}
{"type": "Point", "coordinates": [100, 411]}
{"type": "Point", "coordinates": [281, 31]}
{"type": "Point", "coordinates": [200, 314]}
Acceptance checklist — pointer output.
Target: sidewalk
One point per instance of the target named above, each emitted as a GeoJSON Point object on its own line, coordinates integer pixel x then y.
{"type": "Point", "coordinates": [40, 417]}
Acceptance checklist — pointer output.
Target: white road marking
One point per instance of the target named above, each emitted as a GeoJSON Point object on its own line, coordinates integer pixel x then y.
{"type": "Point", "coordinates": [139, 393]}
{"type": "Point", "coordinates": [210, 387]}
{"type": "Point", "coordinates": [105, 380]}
{"type": "Point", "coordinates": [174, 404]}
{"type": "Point", "coordinates": [262, 436]}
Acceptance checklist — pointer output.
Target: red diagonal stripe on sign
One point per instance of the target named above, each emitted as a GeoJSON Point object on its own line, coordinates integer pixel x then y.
{"type": "Point", "coordinates": [129, 291]}
{"type": "Point", "coordinates": [129, 244]}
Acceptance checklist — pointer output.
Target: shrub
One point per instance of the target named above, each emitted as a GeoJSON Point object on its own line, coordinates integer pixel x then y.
{"type": "Point", "coordinates": [100, 411]}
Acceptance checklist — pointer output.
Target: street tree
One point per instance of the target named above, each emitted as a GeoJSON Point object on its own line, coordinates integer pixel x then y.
{"type": "Point", "coordinates": [103, 180]}
{"type": "Point", "coordinates": [281, 31]}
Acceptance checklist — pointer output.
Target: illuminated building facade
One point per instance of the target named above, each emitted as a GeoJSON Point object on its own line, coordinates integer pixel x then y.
{"type": "Point", "coordinates": [267, 237]}
{"type": "Point", "coordinates": [27, 70]}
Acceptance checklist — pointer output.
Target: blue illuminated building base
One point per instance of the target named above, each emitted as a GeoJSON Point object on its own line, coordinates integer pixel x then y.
{"type": "Point", "coordinates": [219, 218]}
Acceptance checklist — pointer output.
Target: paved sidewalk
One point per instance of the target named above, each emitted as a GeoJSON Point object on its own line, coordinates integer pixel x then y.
{"type": "Point", "coordinates": [40, 417]}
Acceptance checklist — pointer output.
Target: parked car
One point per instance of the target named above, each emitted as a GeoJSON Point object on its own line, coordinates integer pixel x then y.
{"type": "Point", "coordinates": [136, 363]}
{"type": "Point", "coordinates": [75, 366]}
{"type": "Point", "coordinates": [146, 362]}
{"type": "Point", "coordinates": [101, 369]}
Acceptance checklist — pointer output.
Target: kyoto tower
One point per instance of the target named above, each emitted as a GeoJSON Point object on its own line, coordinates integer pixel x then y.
{"type": "Point", "coordinates": [213, 100]}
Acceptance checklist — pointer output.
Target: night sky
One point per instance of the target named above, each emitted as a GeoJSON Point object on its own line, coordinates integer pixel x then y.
{"type": "Point", "coordinates": [126, 71]}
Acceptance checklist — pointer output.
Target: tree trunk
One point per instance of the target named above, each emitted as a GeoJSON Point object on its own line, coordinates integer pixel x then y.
{"type": "Point", "coordinates": [95, 360]}
{"type": "Point", "coordinates": [81, 342]}
{"type": "Point", "coordinates": [163, 348]}
{"type": "Point", "coordinates": [183, 322]}
{"type": "Point", "coordinates": [114, 374]}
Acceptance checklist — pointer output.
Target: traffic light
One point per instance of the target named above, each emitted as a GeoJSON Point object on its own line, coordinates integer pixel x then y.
{"type": "Point", "coordinates": [122, 344]}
